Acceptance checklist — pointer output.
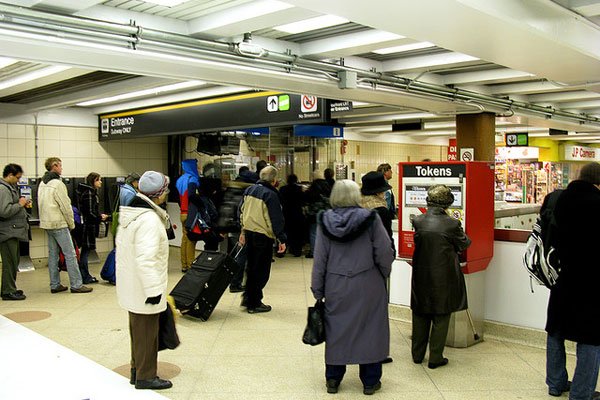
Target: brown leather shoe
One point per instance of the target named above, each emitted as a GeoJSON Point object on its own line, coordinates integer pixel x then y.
{"type": "Point", "coordinates": [81, 289]}
{"type": "Point", "coordinates": [59, 289]}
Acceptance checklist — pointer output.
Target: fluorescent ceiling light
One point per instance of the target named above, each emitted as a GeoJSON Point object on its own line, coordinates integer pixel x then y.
{"type": "Point", "coordinates": [406, 47]}
{"type": "Point", "coordinates": [40, 73]}
{"type": "Point", "coordinates": [311, 24]}
{"type": "Point", "coordinates": [5, 62]}
{"type": "Point", "coordinates": [141, 93]}
{"type": "Point", "coordinates": [167, 3]}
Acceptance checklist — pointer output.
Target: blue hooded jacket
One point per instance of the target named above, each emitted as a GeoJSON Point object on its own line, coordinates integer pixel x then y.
{"type": "Point", "coordinates": [188, 183]}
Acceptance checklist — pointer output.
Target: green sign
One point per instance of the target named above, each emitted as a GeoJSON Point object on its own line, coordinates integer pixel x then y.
{"type": "Point", "coordinates": [517, 139]}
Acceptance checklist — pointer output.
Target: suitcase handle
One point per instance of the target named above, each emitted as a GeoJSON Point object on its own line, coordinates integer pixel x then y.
{"type": "Point", "coordinates": [239, 248]}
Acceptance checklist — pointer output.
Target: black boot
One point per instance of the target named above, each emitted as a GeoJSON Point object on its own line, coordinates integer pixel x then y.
{"type": "Point", "coordinates": [132, 376]}
{"type": "Point", "coordinates": [154, 384]}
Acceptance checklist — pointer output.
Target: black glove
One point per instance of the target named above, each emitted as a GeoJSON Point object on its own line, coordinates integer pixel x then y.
{"type": "Point", "coordinates": [153, 300]}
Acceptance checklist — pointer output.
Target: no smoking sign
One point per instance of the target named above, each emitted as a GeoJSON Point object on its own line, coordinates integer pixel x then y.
{"type": "Point", "coordinates": [308, 103]}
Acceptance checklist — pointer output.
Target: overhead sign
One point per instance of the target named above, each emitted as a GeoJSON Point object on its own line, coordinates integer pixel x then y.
{"type": "Point", "coordinates": [581, 153]}
{"type": "Point", "coordinates": [517, 153]}
{"type": "Point", "coordinates": [340, 106]}
{"type": "Point", "coordinates": [322, 131]}
{"type": "Point", "coordinates": [237, 112]}
{"type": "Point", "coordinates": [516, 139]}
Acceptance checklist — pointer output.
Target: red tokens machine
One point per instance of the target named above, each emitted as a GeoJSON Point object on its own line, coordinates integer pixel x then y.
{"type": "Point", "coordinates": [472, 184]}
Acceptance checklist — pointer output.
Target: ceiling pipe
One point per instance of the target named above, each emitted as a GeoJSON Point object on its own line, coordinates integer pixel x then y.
{"type": "Point", "coordinates": [82, 29]}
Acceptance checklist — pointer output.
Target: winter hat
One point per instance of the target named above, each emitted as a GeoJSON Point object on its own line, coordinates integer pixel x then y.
{"type": "Point", "coordinates": [373, 183]}
{"type": "Point", "coordinates": [439, 196]}
{"type": "Point", "coordinates": [590, 173]}
{"type": "Point", "coordinates": [132, 177]}
{"type": "Point", "coordinates": [153, 184]}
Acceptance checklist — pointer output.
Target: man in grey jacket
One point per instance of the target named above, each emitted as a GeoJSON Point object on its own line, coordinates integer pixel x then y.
{"type": "Point", "coordinates": [13, 228]}
{"type": "Point", "coordinates": [56, 218]}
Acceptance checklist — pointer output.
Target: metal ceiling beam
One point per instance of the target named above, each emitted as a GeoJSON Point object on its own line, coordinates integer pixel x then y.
{"type": "Point", "coordinates": [67, 6]}
{"type": "Point", "coordinates": [574, 95]}
{"type": "Point", "coordinates": [352, 43]}
{"type": "Point", "coordinates": [525, 88]}
{"type": "Point", "coordinates": [535, 36]}
{"type": "Point", "coordinates": [487, 76]}
{"type": "Point", "coordinates": [428, 61]}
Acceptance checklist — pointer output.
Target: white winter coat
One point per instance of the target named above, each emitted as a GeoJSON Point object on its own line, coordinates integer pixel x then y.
{"type": "Point", "coordinates": [142, 257]}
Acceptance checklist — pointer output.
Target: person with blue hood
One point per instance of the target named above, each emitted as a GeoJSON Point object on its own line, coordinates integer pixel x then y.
{"type": "Point", "coordinates": [352, 260]}
{"type": "Point", "coordinates": [187, 186]}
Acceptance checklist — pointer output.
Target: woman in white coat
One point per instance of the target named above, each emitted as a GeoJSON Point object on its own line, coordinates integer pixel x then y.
{"type": "Point", "coordinates": [142, 265]}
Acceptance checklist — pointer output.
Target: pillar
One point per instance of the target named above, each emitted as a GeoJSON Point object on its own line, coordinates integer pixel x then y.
{"type": "Point", "coordinates": [477, 131]}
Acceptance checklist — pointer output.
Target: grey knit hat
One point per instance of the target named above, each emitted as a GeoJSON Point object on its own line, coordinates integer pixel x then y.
{"type": "Point", "coordinates": [590, 173]}
{"type": "Point", "coordinates": [132, 177]}
{"type": "Point", "coordinates": [439, 196]}
{"type": "Point", "coordinates": [153, 184]}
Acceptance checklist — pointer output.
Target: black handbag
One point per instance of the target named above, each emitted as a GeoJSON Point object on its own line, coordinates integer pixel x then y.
{"type": "Point", "coordinates": [167, 332]}
{"type": "Point", "coordinates": [314, 333]}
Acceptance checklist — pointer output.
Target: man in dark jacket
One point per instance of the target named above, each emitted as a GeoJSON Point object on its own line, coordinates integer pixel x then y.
{"type": "Point", "coordinates": [262, 223]}
{"type": "Point", "coordinates": [316, 199]}
{"type": "Point", "coordinates": [438, 284]}
{"type": "Point", "coordinates": [291, 201]}
{"type": "Point", "coordinates": [13, 228]}
{"type": "Point", "coordinates": [574, 306]}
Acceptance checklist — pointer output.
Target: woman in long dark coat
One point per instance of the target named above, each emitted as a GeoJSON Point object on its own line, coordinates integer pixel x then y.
{"type": "Point", "coordinates": [438, 284]}
{"type": "Point", "coordinates": [353, 257]}
{"type": "Point", "coordinates": [87, 193]}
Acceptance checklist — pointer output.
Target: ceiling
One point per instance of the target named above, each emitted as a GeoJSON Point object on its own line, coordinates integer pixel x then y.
{"type": "Point", "coordinates": [536, 64]}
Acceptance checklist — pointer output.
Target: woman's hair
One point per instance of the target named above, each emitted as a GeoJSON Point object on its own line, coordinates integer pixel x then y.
{"type": "Point", "coordinates": [268, 173]}
{"type": "Point", "coordinates": [91, 178]}
{"type": "Point", "coordinates": [345, 193]}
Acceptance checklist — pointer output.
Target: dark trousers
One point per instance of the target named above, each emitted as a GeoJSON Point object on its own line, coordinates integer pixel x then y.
{"type": "Point", "coordinates": [432, 328]}
{"type": "Point", "coordinates": [143, 331]}
{"type": "Point", "coordinates": [83, 265]}
{"type": "Point", "coordinates": [240, 258]}
{"type": "Point", "coordinates": [369, 374]}
{"type": "Point", "coordinates": [9, 251]}
{"type": "Point", "coordinates": [260, 252]}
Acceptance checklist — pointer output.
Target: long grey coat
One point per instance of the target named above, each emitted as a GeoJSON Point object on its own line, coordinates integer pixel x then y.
{"type": "Point", "coordinates": [438, 284]}
{"type": "Point", "coordinates": [353, 256]}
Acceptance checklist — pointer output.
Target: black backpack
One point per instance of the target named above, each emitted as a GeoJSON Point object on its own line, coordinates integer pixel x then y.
{"type": "Point", "coordinates": [541, 258]}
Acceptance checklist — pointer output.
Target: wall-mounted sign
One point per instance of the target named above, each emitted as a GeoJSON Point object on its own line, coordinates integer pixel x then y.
{"type": "Point", "coordinates": [340, 106]}
{"type": "Point", "coordinates": [249, 110]}
{"type": "Point", "coordinates": [452, 156]}
{"type": "Point", "coordinates": [517, 153]}
{"type": "Point", "coordinates": [467, 154]}
{"type": "Point", "coordinates": [581, 153]}
{"type": "Point", "coordinates": [516, 139]}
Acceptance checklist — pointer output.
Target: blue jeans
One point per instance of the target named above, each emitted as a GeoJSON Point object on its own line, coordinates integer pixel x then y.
{"type": "Point", "coordinates": [369, 374]}
{"type": "Point", "coordinates": [61, 239]}
{"type": "Point", "coordinates": [586, 371]}
{"type": "Point", "coordinates": [84, 269]}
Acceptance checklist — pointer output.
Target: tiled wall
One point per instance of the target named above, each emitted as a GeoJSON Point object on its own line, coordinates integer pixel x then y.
{"type": "Point", "coordinates": [81, 153]}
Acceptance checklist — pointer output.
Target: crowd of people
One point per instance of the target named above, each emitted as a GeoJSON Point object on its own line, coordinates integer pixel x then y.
{"type": "Point", "coordinates": [346, 229]}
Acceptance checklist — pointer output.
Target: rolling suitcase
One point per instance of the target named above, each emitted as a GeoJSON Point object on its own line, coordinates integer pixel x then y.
{"type": "Point", "coordinates": [199, 290]}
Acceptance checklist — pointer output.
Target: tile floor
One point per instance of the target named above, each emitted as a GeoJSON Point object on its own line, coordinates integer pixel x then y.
{"type": "Point", "coordinates": [236, 355]}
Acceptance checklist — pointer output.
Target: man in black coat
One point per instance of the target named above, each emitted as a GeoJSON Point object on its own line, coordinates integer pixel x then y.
{"type": "Point", "coordinates": [574, 306]}
{"type": "Point", "coordinates": [438, 284]}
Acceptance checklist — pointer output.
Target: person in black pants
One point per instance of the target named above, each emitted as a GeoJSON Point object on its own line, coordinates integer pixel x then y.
{"type": "Point", "coordinates": [262, 222]}
{"type": "Point", "coordinates": [291, 199]}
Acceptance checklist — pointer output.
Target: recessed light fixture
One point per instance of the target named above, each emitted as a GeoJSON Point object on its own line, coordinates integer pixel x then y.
{"type": "Point", "coordinates": [406, 47]}
{"type": "Point", "coordinates": [167, 3]}
{"type": "Point", "coordinates": [311, 24]}
{"type": "Point", "coordinates": [141, 93]}
{"type": "Point", "coordinates": [30, 76]}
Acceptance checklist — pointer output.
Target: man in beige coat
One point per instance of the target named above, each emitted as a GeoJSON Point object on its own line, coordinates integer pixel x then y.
{"type": "Point", "coordinates": [56, 218]}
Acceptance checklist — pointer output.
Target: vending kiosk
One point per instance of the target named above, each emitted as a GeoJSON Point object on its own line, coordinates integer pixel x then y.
{"type": "Point", "coordinates": [472, 184]}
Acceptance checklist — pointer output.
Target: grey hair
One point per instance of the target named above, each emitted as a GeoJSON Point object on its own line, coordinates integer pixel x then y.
{"type": "Point", "coordinates": [268, 173]}
{"type": "Point", "coordinates": [345, 193]}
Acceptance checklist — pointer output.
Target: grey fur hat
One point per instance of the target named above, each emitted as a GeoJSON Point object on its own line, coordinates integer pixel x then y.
{"type": "Point", "coordinates": [439, 196]}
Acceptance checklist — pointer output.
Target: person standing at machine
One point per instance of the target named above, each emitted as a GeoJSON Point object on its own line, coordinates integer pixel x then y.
{"type": "Point", "coordinates": [187, 185]}
{"type": "Point", "coordinates": [574, 305]}
{"type": "Point", "coordinates": [386, 170]}
{"type": "Point", "coordinates": [13, 229]}
{"type": "Point", "coordinates": [129, 189]}
{"type": "Point", "coordinates": [438, 284]}
{"type": "Point", "coordinates": [87, 194]}
{"type": "Point", "coordinates": [56, 218]}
